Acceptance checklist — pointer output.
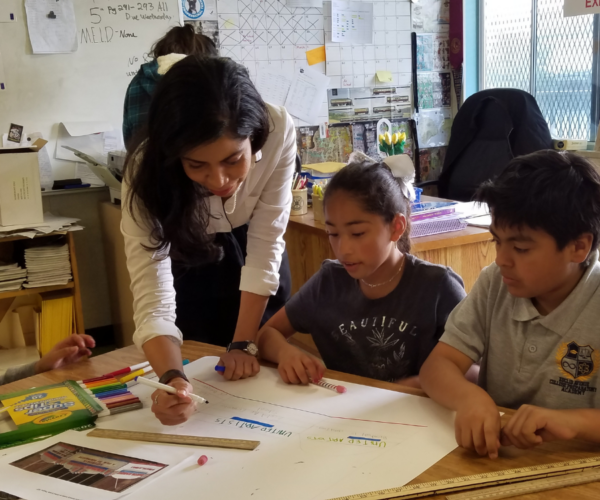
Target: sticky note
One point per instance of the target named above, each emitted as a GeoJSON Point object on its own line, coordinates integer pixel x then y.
{"type": "Point", "coordinates": [384, 76]}
{"type": "Point", "coordinates": [315, 56]}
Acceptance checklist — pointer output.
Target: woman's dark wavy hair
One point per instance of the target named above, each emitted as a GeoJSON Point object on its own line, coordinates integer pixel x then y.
{"type": "Point", "coordinates": [197, 101]}
{"type": "Point", "coordinates": [374, 186]}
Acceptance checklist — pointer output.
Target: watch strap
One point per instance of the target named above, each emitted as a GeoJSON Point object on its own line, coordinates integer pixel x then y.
{"type": "Point", "coordinates": [242, 345]}
{"type": "Point", "coordinates": [170, 375]}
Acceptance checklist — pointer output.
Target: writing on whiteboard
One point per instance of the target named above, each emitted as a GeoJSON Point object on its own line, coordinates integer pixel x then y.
{"type": "Point", "coordinates": [101, 20]}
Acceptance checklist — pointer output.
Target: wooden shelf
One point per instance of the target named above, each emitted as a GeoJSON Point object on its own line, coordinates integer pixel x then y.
{"type": "Point", "coordinates": [41, 289]}
{"type": "Point", "coordinates": [73, 285]}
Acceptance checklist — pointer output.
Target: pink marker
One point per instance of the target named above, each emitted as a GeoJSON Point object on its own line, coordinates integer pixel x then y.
{"type": "Point", "coordinates": [202, 460]}
{"type": "Point", "coordinates": [337, 388]}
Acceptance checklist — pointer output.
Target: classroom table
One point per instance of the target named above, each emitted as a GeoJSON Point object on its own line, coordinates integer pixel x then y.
{"type": "Point", "coordinates": [467, 251]}
{"type": "Point", "coordinates": [458, 463]}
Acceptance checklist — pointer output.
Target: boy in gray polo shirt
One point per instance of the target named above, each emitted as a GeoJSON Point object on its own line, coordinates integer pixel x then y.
{"type": "Point", "coordinates": [532, 319]}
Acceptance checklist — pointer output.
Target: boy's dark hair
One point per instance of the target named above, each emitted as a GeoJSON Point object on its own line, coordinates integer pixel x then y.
{"type": "Point", "coordinates": [558, 193]}
{"type": "Point", "coordinates": [176, 208]}
{"type": "Point", "coordinates": [184, 40]}
{"type": "Point", "coordinates": [374, 186]}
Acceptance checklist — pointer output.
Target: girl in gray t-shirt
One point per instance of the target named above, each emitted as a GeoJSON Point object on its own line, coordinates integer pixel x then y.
{"type": "Point", "coordinates": [376, 311]}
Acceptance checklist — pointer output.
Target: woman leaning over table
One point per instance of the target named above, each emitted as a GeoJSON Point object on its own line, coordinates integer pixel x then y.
{"type": "Point", "coordinates": [207, 196]}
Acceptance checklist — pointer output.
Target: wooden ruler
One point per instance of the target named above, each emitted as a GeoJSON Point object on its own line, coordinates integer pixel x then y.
{"type": "Point", "coordinates": [454, 485]}
{"type": "Point", "coordinates": [526, 487]}
{"type": "Point", "coordinates": [236, 444]}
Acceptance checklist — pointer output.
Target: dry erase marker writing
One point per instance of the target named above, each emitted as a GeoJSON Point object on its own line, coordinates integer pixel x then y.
{"type": "Point", "coordinates": [168, 388]}
{"type": "Point", "coordinates": [337, 388]}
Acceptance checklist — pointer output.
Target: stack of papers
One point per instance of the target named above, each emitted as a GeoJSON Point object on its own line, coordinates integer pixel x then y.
{"type": "Point", "coordinates": [47, 265]}
{"type": "Point", "coordinates": [51, 224]}
{"type": "Point", "coordinates": [12, 276]}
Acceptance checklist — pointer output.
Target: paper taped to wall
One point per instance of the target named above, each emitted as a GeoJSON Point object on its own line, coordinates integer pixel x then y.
{"type": "Point", "coordinates": [52, 26]}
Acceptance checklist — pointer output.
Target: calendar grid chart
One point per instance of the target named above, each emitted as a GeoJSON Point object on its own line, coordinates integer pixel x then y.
{"type": "Point", "coordinates": [351, 65]}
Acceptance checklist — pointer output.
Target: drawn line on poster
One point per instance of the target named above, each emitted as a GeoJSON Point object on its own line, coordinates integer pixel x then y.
{"type": "Point", "coordinates": [255, 422]}
{"type": "Point", "coordinates": [363, 438]}
{"type": "Point", "coordinates": [308, 411]}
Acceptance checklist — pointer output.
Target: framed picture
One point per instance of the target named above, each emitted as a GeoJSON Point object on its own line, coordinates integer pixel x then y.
{"type": "Point", "coordinates": [15, 133]}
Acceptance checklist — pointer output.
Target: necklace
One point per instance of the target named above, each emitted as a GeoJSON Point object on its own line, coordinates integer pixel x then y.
{"type": "Point", "coordinates": [388, 281]}
{"type": "Point", "coordinates": [234, 203]}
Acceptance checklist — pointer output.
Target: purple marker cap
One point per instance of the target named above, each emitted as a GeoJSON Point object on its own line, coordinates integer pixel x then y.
{"type": "Point", "coordinates": [219, 368]}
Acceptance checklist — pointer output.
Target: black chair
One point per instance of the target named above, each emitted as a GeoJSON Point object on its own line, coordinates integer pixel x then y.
{"type": "Point", "coordinates": [490, 129]}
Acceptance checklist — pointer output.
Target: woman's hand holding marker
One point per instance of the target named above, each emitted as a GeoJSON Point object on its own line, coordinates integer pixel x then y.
{"type": "Point", "coordinates": [174, 409]}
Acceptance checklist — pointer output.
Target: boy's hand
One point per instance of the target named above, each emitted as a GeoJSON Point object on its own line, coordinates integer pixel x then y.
{"type": "Point", "coordinates": [477, 425]}
{"type": "Point", "coordinates": [297, 367]}
{"type": "Point", "coordinates": [532, 425]}
{"type": "Point", "coordinates": [65, 352]}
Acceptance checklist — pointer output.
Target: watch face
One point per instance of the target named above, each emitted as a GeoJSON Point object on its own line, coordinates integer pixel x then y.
{"type": "Point", "coordinates": [252, 349]}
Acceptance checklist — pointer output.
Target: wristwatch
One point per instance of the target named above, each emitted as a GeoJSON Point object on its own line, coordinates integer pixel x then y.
{"type": "Point", "coordinates": [170, 375]}
{"type": "Point", "coordinates": [247, 346]}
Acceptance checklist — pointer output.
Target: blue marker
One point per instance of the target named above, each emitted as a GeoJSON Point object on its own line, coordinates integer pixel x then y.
{"type": "Point", "coordinates": [219, 368]}
{"type": "Point", "coordinates": [186, 362]}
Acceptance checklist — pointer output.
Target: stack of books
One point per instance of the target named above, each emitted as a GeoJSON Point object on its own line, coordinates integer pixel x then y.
{"type": "Point", "coordinates": [12, 276]}
{"type": "Point", "coordinates": [47, 265]}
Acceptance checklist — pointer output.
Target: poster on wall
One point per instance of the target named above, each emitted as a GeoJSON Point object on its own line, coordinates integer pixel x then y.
{"type": "Point", "coordinates": [433, 53]}
{"type": "Point", "coordinates": [431, 16]}
{"type": "Point", "coordinates": [434, 90]}
{"type": "Point", "coordinates": [196, 10]}
{"type": "Point", "coordinates": [368, 104]}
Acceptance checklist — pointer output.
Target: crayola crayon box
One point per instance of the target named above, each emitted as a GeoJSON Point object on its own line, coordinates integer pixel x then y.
{"type": "Point", "coordinates": [46, 411]}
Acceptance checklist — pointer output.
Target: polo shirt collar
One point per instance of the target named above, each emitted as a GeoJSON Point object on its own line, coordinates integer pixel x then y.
{"type": "Point", "coordinates": [564, 316]}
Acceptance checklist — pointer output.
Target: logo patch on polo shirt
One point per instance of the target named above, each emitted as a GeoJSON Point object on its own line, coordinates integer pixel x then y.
{"type": "Point", "coordinates": [578, 364]}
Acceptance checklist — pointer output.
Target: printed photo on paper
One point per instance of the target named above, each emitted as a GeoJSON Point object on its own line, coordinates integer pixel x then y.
{"type": "Point", "coordinates": [89, 467]}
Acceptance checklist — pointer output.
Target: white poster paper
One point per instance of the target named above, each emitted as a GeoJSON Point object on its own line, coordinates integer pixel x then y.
{"type": "Point", "coordinates": [351, 22]}
{"type": "Point", "coordinates": [364, 440]}
{"type": "Point", "coordinates": [52, 26]}
{"type": "Point", "coordinates": [581, 7]}
{"type": "Point", "coordinates": [306, 94]}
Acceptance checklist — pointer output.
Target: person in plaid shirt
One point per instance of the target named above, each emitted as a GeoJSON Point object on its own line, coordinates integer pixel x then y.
{"type": "Point", "coordinates": [174, 46]}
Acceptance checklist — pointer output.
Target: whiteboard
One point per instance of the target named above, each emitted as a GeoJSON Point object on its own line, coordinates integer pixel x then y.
{"type": "Point", "coordinates": [114, 38]}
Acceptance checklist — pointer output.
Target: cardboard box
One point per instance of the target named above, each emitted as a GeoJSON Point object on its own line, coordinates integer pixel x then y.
{"type": "Point", "coordinates": [20, 190]}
